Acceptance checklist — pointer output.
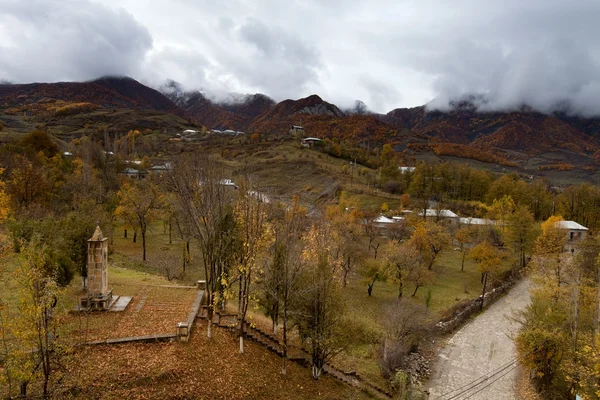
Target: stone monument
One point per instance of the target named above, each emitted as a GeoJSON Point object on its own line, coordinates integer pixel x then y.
{"type": "Point", "coordinates": [98, 296]}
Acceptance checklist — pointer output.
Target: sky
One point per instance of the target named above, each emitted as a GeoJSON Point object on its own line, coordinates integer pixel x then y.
{"type": "Point", "coordinates": [389, 54]}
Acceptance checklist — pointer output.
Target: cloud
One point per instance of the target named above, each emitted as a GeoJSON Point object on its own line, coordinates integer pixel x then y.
{"type": "Point", "coordinates": [68, 40]}
{"type": "Point", "coordinates": [391, 54]}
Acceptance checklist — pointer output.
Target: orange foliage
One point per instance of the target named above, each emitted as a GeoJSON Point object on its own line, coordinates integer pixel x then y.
{"type": "Point", "coordinates": [465, 151]}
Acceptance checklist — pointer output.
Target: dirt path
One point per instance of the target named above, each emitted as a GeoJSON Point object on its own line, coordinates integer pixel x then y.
{"type": "Point", "coordinates": [481, 349]}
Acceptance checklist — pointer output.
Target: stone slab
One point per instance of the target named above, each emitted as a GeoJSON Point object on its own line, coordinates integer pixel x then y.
{"type": "Point", "coordinates": [121, 304]}
{"type": "Point", "coordinates": [139, 306]}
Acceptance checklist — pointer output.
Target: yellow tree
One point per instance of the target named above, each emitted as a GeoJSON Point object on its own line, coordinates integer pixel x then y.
{"type": "Point", "coordinates": [253, 233]}
{"type": "Point", "coordinates": [464, 236]}
{"type": "Point", "coordinates": [489, 262]}
{"type": "Point", "coordinates": [344, 232]}
{"type": "Point", "coordinates": [34, 349]}
{"type": "Point", "coordinates": [320, 311]}
{"type": "Point", "coordinates": [4, 200]}
{"type": "Point", "coordinates": [429, 239]}
{"type": "Point", "coordinates": [139, 202]}
{"type": "Point", "coordinates": [401, 260]}
{"type": "Point", "coordinates": [549, 263]}
{"type": "Point", "coordinates": [501, 210]}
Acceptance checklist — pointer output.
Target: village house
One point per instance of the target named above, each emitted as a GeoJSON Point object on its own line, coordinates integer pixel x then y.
{"type": "Point", "coordinates": [297, 130]}
{"type": "Point", "coordinates": [406, 170]}
{"type": "Point", "coordinates": [310, 141]}
{"type": "Point", "coordinates": [574, 232]}
{"type": "Point", "coordinates": [445, 216]}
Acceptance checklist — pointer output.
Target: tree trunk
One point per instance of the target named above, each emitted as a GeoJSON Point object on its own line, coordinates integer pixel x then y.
{"type": "Point", "coordinates": [415, 292]}
{"type": "Point", "coordinates": [483, 290]}
{"type": "Point", "coordinates": [125, 233]}
{"type": "Point", "coordinates": [462, 265]}
{"type": "Point", "coordinates": [144, 244]}
{"type": "Point", "coordinates": [401, 290]}
{"type": "Point", "coordinates": [135, 236]}
{"type": "Point", "coordinates": [170, 232]}
{"type": "Point", "coordinates": [284, 346]}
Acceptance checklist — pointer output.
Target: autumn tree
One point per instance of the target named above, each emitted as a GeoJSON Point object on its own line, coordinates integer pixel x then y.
{"type": "Point", "coordinates": [34, 347]}
{"type": "Point", "coordinates": [489, 262]}
{"type": "Point", "coordinates": [372, 272]}
{"type": "Point", "coordinates": [320, 312]}
{"type": "Point", "coordinates": [207, 205]}
{"type": "Point", "coordinates": [402, 260]}
{"type": "Point", "coordinates": [521, 232]}
{"type": "Point", "coordinates": [429, 239]}
{"type": "Point", "coordinates": [250, 215]}
{"type": "Point", "coordinates": [139, 202]}
{"type": "Point", "coordinates": [464, 236]}
{"type": "Point", "coordinates": [549, 261]}
{"type": "Point", "coordinates": [4, 200]}
{"type": "Point", "coordinates": [344, 237]}
{"type": "Point", "coordinates": [281, 279]}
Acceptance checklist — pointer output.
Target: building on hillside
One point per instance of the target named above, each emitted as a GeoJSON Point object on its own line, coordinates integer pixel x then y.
{"type": "Point", "coordinates": [406, 170]}
{"type": "Point", "coordinates": [133, 173]}
{"type": "Point", "coordinates": [310, 141]}
{"type": "Point", "coordinates": [297, 130]}
{"type": "Point", "coordinates": [574, 232]}
{"type": "Point", "coordinates": [476, 221]}
{"type": "Point", "coordinates": [161, 168]}
{"type": "Point", "coordinates": [445, 216]}
{"type": "Point", "coordinates": [228, 183]}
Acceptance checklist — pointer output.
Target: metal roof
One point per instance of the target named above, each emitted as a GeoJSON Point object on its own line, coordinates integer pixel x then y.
{"type": "Point", "coordinates": [571, 225]}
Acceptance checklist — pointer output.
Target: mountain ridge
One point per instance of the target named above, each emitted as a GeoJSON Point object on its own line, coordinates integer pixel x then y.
{"type": "Point", "coordinates": [526, 132]}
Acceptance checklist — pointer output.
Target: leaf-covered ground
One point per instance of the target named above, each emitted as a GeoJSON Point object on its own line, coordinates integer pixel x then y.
{"type": "Point", "coordinates": [200, 369]}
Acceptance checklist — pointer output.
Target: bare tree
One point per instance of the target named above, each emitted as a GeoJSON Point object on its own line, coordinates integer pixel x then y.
{"type": "Point", "coordinates": [282, 275]}
{"type": "Point", "coordinates": [206, 203]}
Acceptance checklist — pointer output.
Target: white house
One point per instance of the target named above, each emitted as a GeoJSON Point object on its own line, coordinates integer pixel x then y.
{"type": "Point", "coordinates": [575, 233]}
{"type": "Point", "coordinates": [476, 221]}
{"type": "Point", "coordinates": [446, 216]}
{"type": "Point", "coordinates": [310, 141]}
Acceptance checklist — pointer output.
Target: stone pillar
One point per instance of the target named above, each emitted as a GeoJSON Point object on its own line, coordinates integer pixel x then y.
{"type": "Point", "coordinates": [98, 296]}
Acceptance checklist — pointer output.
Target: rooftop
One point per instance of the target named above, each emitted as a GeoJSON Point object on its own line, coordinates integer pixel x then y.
{"type": "Point", "coordinates": [438, 213]}
{"type": "Point", "coordinates": [571, 225]}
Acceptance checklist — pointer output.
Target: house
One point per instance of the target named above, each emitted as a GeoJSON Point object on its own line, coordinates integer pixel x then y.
{"type": "Point", "coordinates": [160, 168]}
{"type": "Point", "coordinates": [383, 222]}
{"type": "Point", "coordinates": [297, 130]}
{"type": "Point", "coordinates": [575, 233]}
{"type": "Point", "coordinates": [446, 216]}
{"type": "Point", "coordinates": [476, 221]}
{"type": "Point", "coordinates": [228, 183]}
{"type": "Point", "coordinates": [134, 173]}
{"type": "Point", "coordinates": [310, 141]}
{"type": "Point", "coordinates": [406, 170]}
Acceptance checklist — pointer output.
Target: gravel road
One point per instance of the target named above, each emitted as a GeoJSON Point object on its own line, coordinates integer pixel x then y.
{"type": "Point", "coordinates": [482, 348]}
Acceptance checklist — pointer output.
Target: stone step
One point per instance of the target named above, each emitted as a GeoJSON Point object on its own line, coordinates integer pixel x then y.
{"type": "Point", "coordinates": [120, 304]}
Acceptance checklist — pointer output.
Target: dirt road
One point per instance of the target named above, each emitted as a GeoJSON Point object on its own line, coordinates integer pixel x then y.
{"type": "Point", "coordinates": [478, 361]}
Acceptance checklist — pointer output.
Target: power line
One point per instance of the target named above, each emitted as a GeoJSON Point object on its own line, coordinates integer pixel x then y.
{"type": "Point", "coordinates": [475, 382]}
{"type": "Point", "coordinates": [481, 381]}
{"type": "Point", "coordinates": [489, 384]}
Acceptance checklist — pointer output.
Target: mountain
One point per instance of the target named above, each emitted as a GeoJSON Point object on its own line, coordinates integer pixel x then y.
{"type": "Point", "coordinates": [528, 132]}
{"type": "Point", "coordinates": [511, 138]}
{"type": "Point", "coordinates": [106, 92]}
{"type": "Point", "coordinates": [236, 112]}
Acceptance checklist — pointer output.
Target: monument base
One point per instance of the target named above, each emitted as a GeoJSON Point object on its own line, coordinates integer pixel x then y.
{"type": "Point", "coordinates": [99, 302]}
